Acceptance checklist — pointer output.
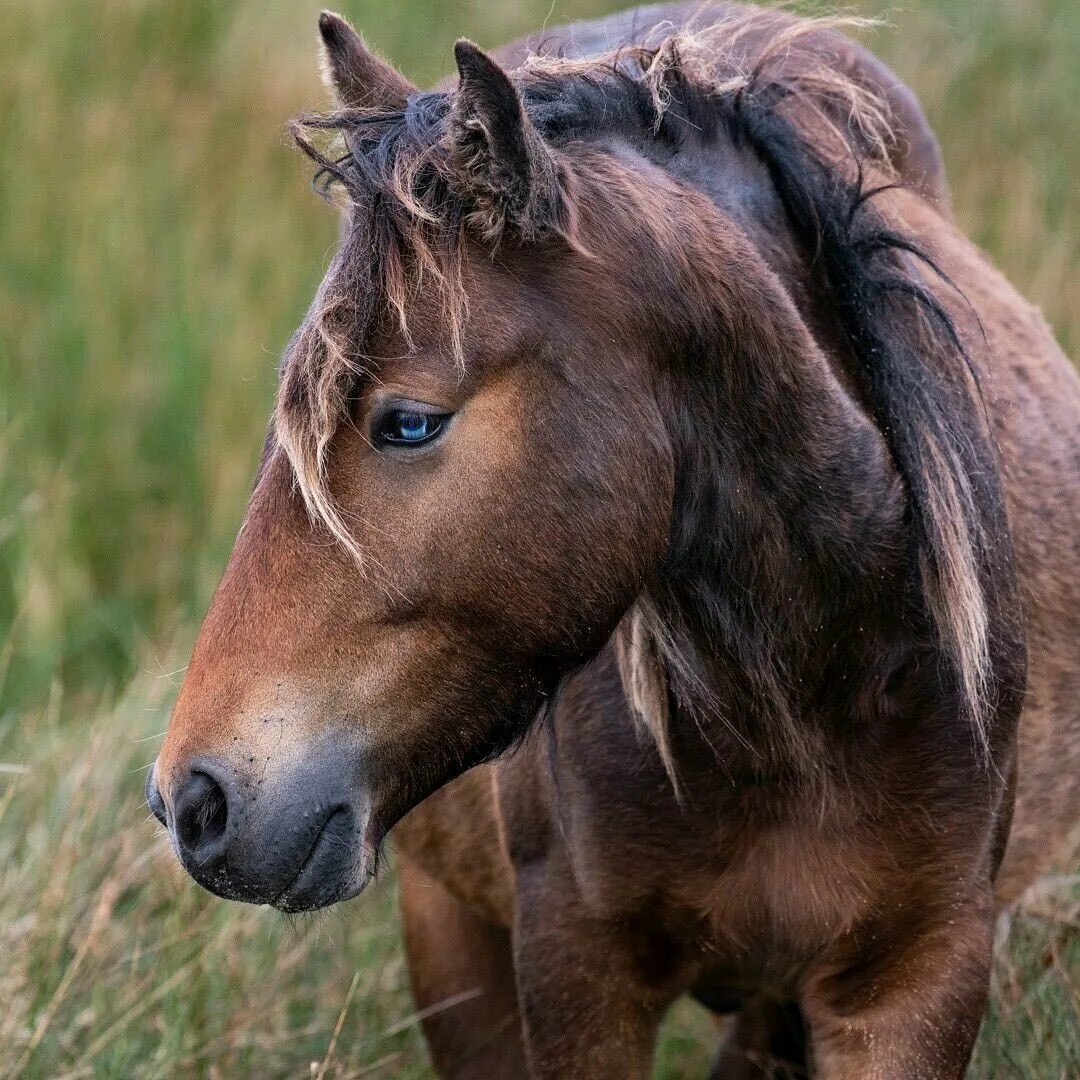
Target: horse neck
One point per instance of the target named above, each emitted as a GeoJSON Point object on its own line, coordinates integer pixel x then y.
{"type": "Point", "coordinates": [777, 616]}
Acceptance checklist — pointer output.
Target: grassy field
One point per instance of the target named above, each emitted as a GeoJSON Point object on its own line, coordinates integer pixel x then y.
{"type": "Point", "coordinates": [159, 242]}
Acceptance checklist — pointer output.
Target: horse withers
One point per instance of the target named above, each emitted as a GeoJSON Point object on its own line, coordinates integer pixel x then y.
{"type": "Point", "coordinates": [668, 527]}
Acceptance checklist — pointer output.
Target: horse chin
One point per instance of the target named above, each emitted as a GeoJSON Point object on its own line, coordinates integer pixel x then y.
{"type": "Point", "coordinates": [339, 866]}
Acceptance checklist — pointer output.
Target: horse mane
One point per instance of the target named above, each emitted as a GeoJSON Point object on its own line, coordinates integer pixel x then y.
{"type": "Point", "coordinates": [824, 140]}
{"type": "Point", "coordinates": [922, 388]}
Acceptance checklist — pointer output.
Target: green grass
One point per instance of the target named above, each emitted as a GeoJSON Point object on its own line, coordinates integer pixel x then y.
{"type": "Point", "coordinates": [159, 244]}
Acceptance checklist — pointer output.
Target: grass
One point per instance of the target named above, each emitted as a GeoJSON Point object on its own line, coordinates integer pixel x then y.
{"type": "Point", "coordinates": [159, 244]}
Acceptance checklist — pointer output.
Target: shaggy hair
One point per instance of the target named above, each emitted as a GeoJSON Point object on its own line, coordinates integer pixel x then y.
{"type": "Point", "coordinates": [404, 175]}
{"type": "Point", "coordinates": [825, 142]}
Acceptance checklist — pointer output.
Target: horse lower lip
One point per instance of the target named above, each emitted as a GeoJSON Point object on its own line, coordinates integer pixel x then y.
{"type": "Point", "coordinates": [313, 886]}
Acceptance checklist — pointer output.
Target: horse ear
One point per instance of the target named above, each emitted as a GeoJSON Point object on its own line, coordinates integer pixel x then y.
{"type": "Point", "coordinates": [503, 165]}
{"type": "Point", "coordinates": [358, 78]}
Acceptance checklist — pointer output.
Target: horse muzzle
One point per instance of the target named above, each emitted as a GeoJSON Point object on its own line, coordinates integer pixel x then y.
{"type": "Point", "coordinates": [297, 838]}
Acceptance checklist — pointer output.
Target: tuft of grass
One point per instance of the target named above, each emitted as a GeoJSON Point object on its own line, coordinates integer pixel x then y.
{"type": "Point", "coordinates": [160, 243]}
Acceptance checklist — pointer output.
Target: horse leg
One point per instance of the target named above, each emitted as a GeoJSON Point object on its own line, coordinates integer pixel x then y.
{"type": "Point", "coordinates": [765, 1041]}
{"type": "Point", "coordinates": [592, 991]}
{"type": "Point", "coordinates": [911, 1011]}
{"type": "Point", "coordinates": [462, 973]}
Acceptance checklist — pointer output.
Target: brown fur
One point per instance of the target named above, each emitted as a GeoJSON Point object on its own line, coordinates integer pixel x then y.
{"type": "Point", "coordinates": [719, 640]}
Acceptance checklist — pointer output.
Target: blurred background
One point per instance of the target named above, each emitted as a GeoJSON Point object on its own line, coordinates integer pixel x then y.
{"type": "Point", "coordinates": [158, 243]}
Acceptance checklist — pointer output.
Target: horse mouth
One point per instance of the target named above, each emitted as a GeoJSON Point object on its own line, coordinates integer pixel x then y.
{"type": "Point", "coordinates": [328, 873]}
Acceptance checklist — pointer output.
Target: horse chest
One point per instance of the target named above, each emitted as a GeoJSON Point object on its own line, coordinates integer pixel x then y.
{"type": "Point", "coordinates": [758, 893]}
{"type": "Point", "coordinates": [786, 894]}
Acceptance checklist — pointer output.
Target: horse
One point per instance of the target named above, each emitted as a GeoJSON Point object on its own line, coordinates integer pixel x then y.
{"type": "Point", "coordinates": [668, 527]}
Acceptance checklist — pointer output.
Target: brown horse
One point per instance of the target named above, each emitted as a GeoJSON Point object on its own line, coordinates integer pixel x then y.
{"type": "Point", "coordinates": [669, 522]}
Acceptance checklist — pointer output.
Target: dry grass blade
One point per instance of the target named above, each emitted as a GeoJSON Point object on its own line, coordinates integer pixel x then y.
{"type": "Point", "coordinates": [337, 1028]}
{"type": "Point", "coordinates": [433, 1010]}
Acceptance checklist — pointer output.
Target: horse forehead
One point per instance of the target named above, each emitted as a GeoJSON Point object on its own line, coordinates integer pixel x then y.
{"type": "Point", "coordinates": [511, 301]}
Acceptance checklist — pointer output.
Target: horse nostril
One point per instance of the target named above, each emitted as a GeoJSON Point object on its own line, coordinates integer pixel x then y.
{"type": "Point", "coordinates": [153, 797]}
{"type": "Point", "coordinates": [202, 813]}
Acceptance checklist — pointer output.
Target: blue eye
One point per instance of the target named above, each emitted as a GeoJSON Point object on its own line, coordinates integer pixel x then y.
{"type": "Point", "coordinates": [408, 427]}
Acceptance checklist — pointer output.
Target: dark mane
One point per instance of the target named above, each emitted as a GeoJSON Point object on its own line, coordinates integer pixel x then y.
{"type": "Point", "coordinates": [822, 141]}
{"type": "Point", "coordinates": [922, 387]}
